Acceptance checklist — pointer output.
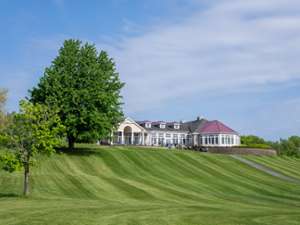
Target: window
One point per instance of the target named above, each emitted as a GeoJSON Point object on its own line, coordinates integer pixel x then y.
{"type": "Point", "coordinates": [161, 134]}
{"type": "Point", "coordinates": [148, 125]}
{"type": "Point", "coordinates": [160, 141]}
{"type": "Point", "coordinates": [217, 140]}
{"type": "Point", "coordinates": [168, 135]}
{"type": "Point", "coordinates": [176, 126]}
{"type": "Point", "coordinates": [212, 140]}
{"type": "Point", "coordinates": [154, 142]}
{"type": "Point", "coordinates": [162, 126]}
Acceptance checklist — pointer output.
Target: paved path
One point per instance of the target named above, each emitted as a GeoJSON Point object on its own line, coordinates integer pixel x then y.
{"type": "Point", "coordinates": [265, 169]}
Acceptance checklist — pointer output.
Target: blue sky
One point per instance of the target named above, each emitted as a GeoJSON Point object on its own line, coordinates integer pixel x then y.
{"type": "Point", "coordinates": [236, 61]}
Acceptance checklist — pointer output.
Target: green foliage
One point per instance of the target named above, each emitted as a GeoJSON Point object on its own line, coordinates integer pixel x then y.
{"type": "Point", "coordinates": [289, 147]}
{"type": "Point", "coordinates": [9, 162]}
{"type": "Point", "coordinates": [32, 131]}
{"type": "Point", "coordinates": [85, 89]}
{"type": "Point", "coordinates": [260, 146]}
{"type": "Point", "coordinates": [3, 96]}
{"type": "Point", "coordinates": [252, 141]}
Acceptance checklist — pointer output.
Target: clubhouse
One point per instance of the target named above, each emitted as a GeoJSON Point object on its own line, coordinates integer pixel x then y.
{"type": "Point", "coordinates": [199, 132]}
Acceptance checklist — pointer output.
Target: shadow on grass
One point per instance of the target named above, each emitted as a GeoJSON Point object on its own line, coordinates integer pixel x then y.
{"type": "Point", "coordinates": [81, 151]}
{"type": "Point", "coordinates": [9, 195]}
{"type": "Point", "coordinates": [93, 149]}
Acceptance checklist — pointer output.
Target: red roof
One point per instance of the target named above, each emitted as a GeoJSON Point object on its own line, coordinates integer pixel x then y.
{"type": "Point", "coordinates": [215, 127]}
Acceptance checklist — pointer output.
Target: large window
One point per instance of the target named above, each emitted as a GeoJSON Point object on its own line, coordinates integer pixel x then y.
{"type": "Point", "coordinates": [154, 141]}
{"type": "Point", "coordinates": [160, 141]}
{"type": "Point", "coordinates": [175, 139]}
{"type": "Point", "coordinates": [212, 140]}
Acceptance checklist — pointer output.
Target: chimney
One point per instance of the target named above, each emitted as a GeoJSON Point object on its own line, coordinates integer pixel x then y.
{"type": "Point", "coordinates": [199, 117]}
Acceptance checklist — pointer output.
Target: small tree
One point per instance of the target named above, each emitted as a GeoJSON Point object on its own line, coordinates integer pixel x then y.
{"type": "Point", "coordinates": [85, 88]}
{"type": "Point", "coordinates": [33, 130]}
{"type": "Point", "coordinates": [3, 97]}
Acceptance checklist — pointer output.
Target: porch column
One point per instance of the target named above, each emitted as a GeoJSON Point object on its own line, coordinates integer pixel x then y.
{"type": "Point", "coordinates": [140, 138]}
{"type": "Point", "coordinates": [112, 138]}
{"type": "Point", "coordinates": [132, 138]}
{"type": "Point", "coordinates": [143, 138]}
{"type": "Point", "coordinates": [122, 137]}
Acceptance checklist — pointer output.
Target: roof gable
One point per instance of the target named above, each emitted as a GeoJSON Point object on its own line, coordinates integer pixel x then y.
{"type": "Point", "coordinates": [128, 120]}
{"type": "Point", "coordinates": [215, 127]}
{"type": "Point", "coordinates": [193, 126]}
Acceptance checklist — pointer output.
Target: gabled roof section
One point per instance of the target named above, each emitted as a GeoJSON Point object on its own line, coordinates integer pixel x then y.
{"type": "Point", "coordinates": [128, 119]}
{"type": "Point", "coordinates": [193, 126]}
{"type": "Point", "coordinates": [215, 127]}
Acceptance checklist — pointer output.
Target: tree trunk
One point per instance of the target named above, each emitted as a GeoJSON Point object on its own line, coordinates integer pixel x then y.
{"type": "Point", "coordinates": [26, 179]}
{"type": "Point", "coordinates": [71, 141]}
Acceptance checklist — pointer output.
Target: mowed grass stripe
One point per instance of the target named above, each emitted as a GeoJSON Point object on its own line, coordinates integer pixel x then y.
{"type": "Point", "coordinates": [282, 165]}
{"type": "Point", "coordinates": [120, 185]}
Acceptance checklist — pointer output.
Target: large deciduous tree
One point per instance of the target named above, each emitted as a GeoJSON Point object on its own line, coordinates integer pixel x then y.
{"type": "Point", "coordinates": [84, 87]}
{"type": "Point", "coordinates": [32, 131]}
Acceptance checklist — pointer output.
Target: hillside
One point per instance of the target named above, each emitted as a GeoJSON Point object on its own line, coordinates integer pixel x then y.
{"type": "Point", "coordinates": [147, 186]}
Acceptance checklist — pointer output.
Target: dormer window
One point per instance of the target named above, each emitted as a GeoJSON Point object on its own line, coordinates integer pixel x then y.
{"type": "Point", "coordinates": [162, 125]}
{"type": "Point", "coordinates": [176, 126]}
{"type": "Point", "coordinates": [148, 125]}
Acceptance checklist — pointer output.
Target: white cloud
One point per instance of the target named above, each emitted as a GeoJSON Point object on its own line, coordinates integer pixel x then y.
{"type": "Point", "coordinates": [230, 45]}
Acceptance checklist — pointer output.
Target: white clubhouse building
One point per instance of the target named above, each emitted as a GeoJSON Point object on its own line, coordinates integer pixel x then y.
{"type": "Point", "coordinates": [199, 132]}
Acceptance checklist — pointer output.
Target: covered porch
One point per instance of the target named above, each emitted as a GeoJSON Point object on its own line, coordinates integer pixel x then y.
{"type": "Point", "coordinates": [130, 133]}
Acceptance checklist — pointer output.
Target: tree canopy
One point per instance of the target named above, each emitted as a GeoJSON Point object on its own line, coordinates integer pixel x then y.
{"type": "Point", "coordinates": [3, 97]}
{"type": "Point", "coordinates": [32, 131]}
{"type": "Point", "coordinates": [289, 147]}
{"type": "Point", "coordinates": [84, 87]}
{"type": "Point", "coordinates": [253, 141]}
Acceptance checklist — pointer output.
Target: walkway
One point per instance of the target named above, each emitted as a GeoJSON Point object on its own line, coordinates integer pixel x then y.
{"type": "Point", "coordinates": [265, 169]}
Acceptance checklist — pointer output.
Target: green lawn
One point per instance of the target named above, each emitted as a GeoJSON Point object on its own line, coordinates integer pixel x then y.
{"type": "Point", "coordinates": [119, 186]}
{"type": "Point", "coordinates": [286, 165]}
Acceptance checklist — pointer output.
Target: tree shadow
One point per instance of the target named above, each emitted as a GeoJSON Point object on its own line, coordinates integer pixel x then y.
{"type": "Point", "coordinates": [80, 151]}
{"type": "Point", "coordinates": [9, 195]}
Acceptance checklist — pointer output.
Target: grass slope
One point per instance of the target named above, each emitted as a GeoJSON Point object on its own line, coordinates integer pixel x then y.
{"type": "Point", "coordinates": [146, 186]}
{"type": "Point", "coordinates": [286, 165]}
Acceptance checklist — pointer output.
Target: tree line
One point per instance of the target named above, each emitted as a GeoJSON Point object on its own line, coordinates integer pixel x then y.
{"type": "Point", "coordinates": [78, 97]}
{"type": "Point", "coordinates": [288, 147]}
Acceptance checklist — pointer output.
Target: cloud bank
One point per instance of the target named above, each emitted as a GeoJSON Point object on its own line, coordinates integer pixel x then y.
{"type": "Point", "coordinates": [227, 46]}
